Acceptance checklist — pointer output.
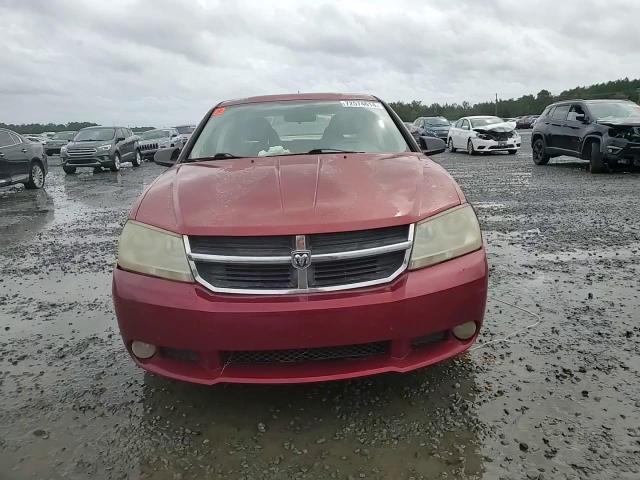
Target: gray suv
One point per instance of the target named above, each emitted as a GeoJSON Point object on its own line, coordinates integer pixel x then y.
{"type": "Point", "coordinates": [101, 147]}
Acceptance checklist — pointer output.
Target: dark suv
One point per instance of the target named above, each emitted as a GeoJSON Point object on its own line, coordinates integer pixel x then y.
{"type": "Point", "coordinates": [21, 161]}
{"type": "Point", "coordinates": [101, 147]}
{"type": "Point", "coordinates": [605, 132]}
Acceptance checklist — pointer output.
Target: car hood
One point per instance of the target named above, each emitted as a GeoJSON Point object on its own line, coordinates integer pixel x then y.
{"type": "Point", "coordinates": [154, 140]}
{"type": "Point", "coordinates": [73, 145]}
{"type": "Point", "coordinates": [496, 127]}
{"type": "Point", "coordinates": [621, 122]}
{"type": "Point", "coordinates": [297, 194]}
{"type": "Point", "coordinates": [57, 142]}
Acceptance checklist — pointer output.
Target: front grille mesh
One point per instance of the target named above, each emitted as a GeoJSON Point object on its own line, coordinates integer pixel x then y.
{"type": "Point", "coordinates": [342, 352]}
{"type": "Point", "coordinates": [356, 270]}
{"type": "Point", "coordinates": [249, 276]}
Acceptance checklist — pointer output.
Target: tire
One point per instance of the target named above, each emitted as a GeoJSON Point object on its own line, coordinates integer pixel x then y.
{"type": "Point", "coordinates": [470, 149]}
{"type": "Point", "coordinates": [36, 176]}
{"type": "Point", "coordinates": [115, 166]}
{"type": "Point", "coordinates": [451, 147]}
{"type": "Point", "coordinates": [596, 162]}
{"type": "Point", "coordinates": [69, 170]}
{"type": "Point", "coordinates": [540, 156]}
{"type": "Point", "coordinates": [137, 160]}
{"type": "Point", "coordinates": [513, 152]}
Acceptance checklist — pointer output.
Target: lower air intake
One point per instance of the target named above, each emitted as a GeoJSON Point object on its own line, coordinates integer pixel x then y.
{"type": "Point", "coordinates": [342, 352]}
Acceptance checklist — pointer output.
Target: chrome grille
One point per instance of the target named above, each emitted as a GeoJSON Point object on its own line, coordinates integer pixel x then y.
{"type": "Point", "coordinates": [81, 152]}
{"type": "Point", "coordinates": [342, 352]}
{"type": "Point", "coordinates": [263, 265]}
{"type": "Point", "coordinates": [149, 146]}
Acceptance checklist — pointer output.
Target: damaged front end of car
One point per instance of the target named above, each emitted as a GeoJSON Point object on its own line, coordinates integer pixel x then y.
{"type": "Point", "coordinates": [622, 144]}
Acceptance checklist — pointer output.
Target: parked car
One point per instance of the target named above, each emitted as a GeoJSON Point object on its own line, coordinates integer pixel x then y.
{"type": "Point", "coordinates": [185, 132]}
{"type": "Point", "coordinates": [526, 122]}
{"type": "Point", "coordinates": [604, 132]}
{"type": "Point", "coordinates": [480, 134]}
{"type": "Point", "coordinates": [21, 161]}
{"type": "Point", "coordinates": [101, 147]}
{"type": "Point", "coordinates": [59, 140]}
{"type": "Point", "coordinates": [420, 135]}
{"type": "Point", "coordinates": [151, 140]}
{"type": "Point", "coordinates": [37, 139]}
{"type": "Point", "coordinates": [48, 135]}
{"type": "Point", "coordinates": [325, 247]}
{"type": "Point", "coordinates": [433, 126]}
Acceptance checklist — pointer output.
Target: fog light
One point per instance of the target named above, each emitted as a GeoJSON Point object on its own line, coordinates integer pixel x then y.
{"type": "Point", "coordinates": [143, 350]}
{"type": "Point", "coordinates": [465, 331]}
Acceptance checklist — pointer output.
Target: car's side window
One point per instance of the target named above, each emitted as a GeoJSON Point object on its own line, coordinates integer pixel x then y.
{"type": "Point", "coordinates": [560, 112]}
{"type": "Point", "coordinates": [575, 111]}
{"type": "Point", "coordinates": [5, 139]}
{"type": "Point", "coordinates": [16, 139]}
{"type": "Point", "coordinates": [465, 125]}
{"type": "Point", "coordinates": [458, 124]}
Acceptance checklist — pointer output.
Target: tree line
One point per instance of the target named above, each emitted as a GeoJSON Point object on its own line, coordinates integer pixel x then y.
{"type": "Point", "coordinates": [525, 105]}
{"type": "Point", "coordinates": [36, 128]}
{"type": "Point", "coordinates": [409, 111]}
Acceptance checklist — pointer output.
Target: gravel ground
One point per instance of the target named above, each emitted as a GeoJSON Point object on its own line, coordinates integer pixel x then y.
{"type": "Point", "coordinates": [560, 398]}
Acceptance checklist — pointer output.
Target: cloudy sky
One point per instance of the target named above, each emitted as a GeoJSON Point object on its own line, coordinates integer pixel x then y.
{"type": "Point", "coordinates": [165, 62]}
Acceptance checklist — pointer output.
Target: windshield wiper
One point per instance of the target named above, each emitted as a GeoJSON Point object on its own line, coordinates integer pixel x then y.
{"type": "Point", "coordinates": [217, 156]}
{"type": "Point", "coordinates": [317, 151]}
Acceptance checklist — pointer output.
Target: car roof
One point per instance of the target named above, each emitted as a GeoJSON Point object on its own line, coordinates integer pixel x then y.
{"type": "Point", "coordinates": [299, 96]}
{"type": "Point", "coordinates": [101, 126]}
{"type": "Point", "coordinates": [473, 117]}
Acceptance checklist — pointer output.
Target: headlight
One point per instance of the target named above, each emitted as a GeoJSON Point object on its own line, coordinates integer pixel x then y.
{"type": "Point", "coordinates": [447, 235]}
{"type": "Point", "coordinates": [483, 136]}
{"type": "Point", "coordinates": [105, 147]}
{"type": "Point", "coordinates": [153, 251]}
{"type": "Point", "coordinates": [63, 149]}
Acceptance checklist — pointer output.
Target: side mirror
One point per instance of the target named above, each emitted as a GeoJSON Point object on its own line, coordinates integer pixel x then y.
{"type": "Point", "coordinates": [432, 145]}
{"type": "Point", "coordinates": [174, 135]}
{"type": "Point", "coordinates": [166, 157]}
{"type": "Point", "coordinates": [582, 118]}
{"type": "Point", "coordinates": [120, 139]}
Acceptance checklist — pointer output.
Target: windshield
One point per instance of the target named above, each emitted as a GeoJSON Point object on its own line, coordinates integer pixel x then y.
{"type": "Point", "coordinates": [602, 111]}
{"type": "Point", "coordinates": [64, 135]}
{"type": "Point", "coordinates": [154, 134]}
{"type": "Point", "coordinates": [481, 122]}
{"type": "Point", "coordinates": [283, 128]}
{"type": "Point", "coordinates": [185, 129]}
{"type": "Point", "coordinates": [95, 134]}
{"type": "Point", "coordinates": [437, 122]}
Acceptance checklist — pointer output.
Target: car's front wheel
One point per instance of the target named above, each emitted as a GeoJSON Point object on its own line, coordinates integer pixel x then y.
{"type": "Point", "coordinates": [540, 157]}
{"type": "Point", "coordinates": [137, 160]}
{"type": "Point", "coordinates": [451, 147]}
{"type": "Point", "coordinates": [470, 149]}
{"type": "Point", "coordinates": [115, 166]}
{"type": "Point", "coordinates": [69, 170]}
{"type": "Point", "coordinates": [36, 176]}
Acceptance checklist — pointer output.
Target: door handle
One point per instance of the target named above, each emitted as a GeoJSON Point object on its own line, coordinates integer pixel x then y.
{"type": "Point", "coordinates": [1, 154]}
{"type": "Point", "coordinates": [24, 150]}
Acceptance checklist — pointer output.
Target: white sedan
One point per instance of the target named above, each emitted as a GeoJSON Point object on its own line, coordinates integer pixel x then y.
{"type": "Point", "coordinates": [480, 134]}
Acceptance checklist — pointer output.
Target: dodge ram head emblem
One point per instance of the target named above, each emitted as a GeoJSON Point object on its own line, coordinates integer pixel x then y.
{"type": "Point", "coordinates": [301, 259]}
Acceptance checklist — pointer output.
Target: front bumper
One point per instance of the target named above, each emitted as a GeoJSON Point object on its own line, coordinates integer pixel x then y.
{"type": "Point", "coordinates": [621, 150]}
{"type": "Point", "coordinates": [98, 160]}
{"type": "Point", "coordinates": [207, 327]}
{"type": "Point", "coordinates": [496, 146]}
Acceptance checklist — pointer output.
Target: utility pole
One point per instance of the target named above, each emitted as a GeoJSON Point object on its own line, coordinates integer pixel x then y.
{"type": "Point", "coordinates": [496, 104]}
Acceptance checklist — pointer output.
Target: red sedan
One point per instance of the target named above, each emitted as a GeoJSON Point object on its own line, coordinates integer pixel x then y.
{"type": "Point", "coordinates": [299, 238]}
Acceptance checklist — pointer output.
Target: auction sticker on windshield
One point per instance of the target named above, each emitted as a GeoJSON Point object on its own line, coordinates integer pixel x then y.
{"type": "Point", "coordinates": [360, 104]}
